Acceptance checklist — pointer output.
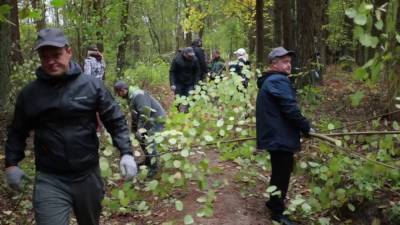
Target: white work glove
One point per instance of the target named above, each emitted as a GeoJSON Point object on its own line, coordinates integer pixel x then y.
{"type": "Point", "coordinates": [173, 87]}
{"type": "Point", "coordinates": [128, 166]}
{"type": "Point", "coordinates": [14, 176]}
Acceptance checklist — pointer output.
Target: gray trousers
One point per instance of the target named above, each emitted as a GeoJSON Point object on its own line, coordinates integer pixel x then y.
{"type": "Point", "coordinates": [55, 197]}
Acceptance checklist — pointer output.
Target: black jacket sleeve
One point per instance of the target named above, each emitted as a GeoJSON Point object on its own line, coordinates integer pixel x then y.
{"type": "Point", "coordinates": [173, 70]}
{"type": "Point", "coordinates": [114, 120]}
{"type": "Point", "coordinates": [18, 132]}
{"type": "Point", "coordinates": [281, 89]}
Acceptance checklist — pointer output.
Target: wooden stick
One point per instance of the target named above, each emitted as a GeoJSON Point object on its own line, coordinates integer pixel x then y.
{"type": "Point", "coordinates": [326, 138]}
{"type": "Point", "coordinates": [365, 133]}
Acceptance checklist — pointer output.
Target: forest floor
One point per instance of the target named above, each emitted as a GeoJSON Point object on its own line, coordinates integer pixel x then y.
{"type": "Point", "coordinates": [236, 203]}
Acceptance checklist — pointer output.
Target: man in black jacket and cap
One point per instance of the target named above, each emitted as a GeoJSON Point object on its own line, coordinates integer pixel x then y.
{"type": "Point", "coordinates": [60, 107]}
{"type": "Point", "coordinates": [184, 73]}
{"type": "Point", "coordinates": [279, 123]}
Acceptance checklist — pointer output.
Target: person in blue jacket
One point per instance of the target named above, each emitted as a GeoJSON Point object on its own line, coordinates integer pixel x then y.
{"type": "Point", "coordinates": [279, 123]}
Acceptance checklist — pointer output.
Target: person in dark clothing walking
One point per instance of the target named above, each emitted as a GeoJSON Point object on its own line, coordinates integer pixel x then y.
{"type": "Point", "coordinates": [147, 119]}
{"type": "Point", "coordinates": [217, 65]}
{"type": "Point", "coordinates": [279, 123]}
{"type": "Point", "coordinates": [201, 56]}
{"type": "Point", "coordinates": [60, 107]}
{"type": "Point", "coordinates": [184, 74]}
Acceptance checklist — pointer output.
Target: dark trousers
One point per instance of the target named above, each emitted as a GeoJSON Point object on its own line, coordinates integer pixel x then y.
{"type": "Point", "coordinates": [149, 148]}
{"type": "Point", "coordinates": [282, 166]}
{"type": "Point", "coordinates": [55, 197]}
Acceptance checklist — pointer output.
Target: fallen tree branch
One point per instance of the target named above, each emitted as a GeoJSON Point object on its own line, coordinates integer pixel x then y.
{"type": "Point", "coordinates": [365, 133]}
{"type": "Point", "coordinates": [326, 138]}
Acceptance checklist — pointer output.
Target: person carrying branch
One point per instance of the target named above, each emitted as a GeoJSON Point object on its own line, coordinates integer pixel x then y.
{"type": "Point", "coordinates": [60, 107]}
{"type": "Point", "coordinates": [279, 123]}
{"type": "Point", "coordinates": [147, 118]}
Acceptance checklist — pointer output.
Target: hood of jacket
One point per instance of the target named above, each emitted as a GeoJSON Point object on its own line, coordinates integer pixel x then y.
{"type": "Point", "coordinates": [265, 75]}
{"type": "Point", "coordinates": [74, 71]}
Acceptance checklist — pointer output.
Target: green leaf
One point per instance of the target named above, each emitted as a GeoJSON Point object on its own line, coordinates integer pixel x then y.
{"type": "Point", "coordinates": [152, 185]}
{"type": "Point", "coordinates": [356, 98]}
{"type": "Point", "coordinates": [398, 38]}
{"type": "Point", "coordinates": [58, 3]}
{"type": "Point", "coordinates": [271, 189]}
{"type": "Point", "coordinates": [108, 151]}
{"type": "Point", "coordinates": [220, 123]}
{"type": "Point", "coordinates": [178, 205]}
{"type": "Point", "coordinates": [368, 41]}
{"type": "Point", "coordinates": [188, 219]}
{"type": "Point", "coordinates": [201, 199]}
{"type": "Point", "coordinates": [4, 10]}
{"type": "Point", "coordinates": [208, 138]}
{"type": "Point", "coordinates": [324, 221]}
{"type": "Point", "coordinates": [306, 207]}
{"type": "Point", "coordinates": [104, 165]}
{"type": "Point", "coordinates": [298, 201]}
{"type": "Point", "coordinates": [379, 24]}
{"type": "Point", "coordinates": [351, 12]}
{"type": "Point", "coordinates": [177, 164]}
{"type": "Point", "coordinates": [351, 207]}
{"type": "Point", "coordinates": [185, 153]}
{"type": "Point", "coordinates": [361, 73]}
{"type": "Point", "coordinates": [331, 126]}
{"type": "Point", "coordinates": [360, 19]}
{"type": "Point", "coordinates": [172, 141]}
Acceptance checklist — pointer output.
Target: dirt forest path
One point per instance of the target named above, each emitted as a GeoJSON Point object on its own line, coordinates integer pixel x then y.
{"type": "Point", "coordinates": [232, 206]}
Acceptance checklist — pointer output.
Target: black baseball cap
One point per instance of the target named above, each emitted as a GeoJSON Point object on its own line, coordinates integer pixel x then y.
{"type": "Point", "coordinates": [51, 37]}
{"type": "Point", "coordinates": [189, 51]}
{"type": "Point", "coordinates": [279, 52]}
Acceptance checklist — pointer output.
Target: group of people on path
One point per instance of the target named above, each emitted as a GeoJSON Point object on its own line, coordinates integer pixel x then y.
{"type": "Point", "coordinates": [62, 106]}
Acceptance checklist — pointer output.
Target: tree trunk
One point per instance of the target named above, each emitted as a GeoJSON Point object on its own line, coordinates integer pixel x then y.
{"type": "Point", "coordinates": [288, 26]}
{"type": "Point", "coordinates": [98, 6]}
{"type": "Point", "coordinates": [16, 54]}
{"type": "Point", "coordinates": [121, 61]}
{"type": "Point", "coordinates": [5, 48]}
{"type": "Point", "coordinates": [277, 22]}
{"type": "Point", "coordinates": [39, 5]}
{"type": "Point", "coordinates": [259, 32]}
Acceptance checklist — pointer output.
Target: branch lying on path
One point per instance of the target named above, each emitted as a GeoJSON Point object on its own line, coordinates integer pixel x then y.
{"type": "Point", "coordinates": [368, 119]}
{"type": "Point", "coordinates": [365, 133]}
{"type": "Point", "coordinates": [326, 138]}
{"type": "Point", "coordinates": [364, 158]}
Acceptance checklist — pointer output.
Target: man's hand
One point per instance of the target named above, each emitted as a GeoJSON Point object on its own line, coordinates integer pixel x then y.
{"type": "Point", "coordinates": [173, 87]}
{"type": "Point", "coordinates": [14, 176]}
{"type": "Point", "coordinates": [128, 166]}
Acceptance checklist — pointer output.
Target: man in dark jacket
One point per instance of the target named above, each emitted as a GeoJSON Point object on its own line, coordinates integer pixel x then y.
{"type": "Point", "coordinates": [60, 107]}
{"type": "Point", "coordinates": [279, 124]}
{"type": "Point", "coordinates": [201, 56]}
{"type": "Point", "coordinates": [147, 119]}
{"type": "Point", "coordinates": [217, 65]}
{"type": "Point", "coordinates": [184, 72]}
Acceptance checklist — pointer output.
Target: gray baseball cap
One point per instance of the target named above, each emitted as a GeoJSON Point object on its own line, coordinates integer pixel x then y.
{"type": "Point", "coordinates": [279, 52]}
{"type": "Point", "coordinates": [189, 51]}
{"type": "Point", "coordinates": [51, 37]}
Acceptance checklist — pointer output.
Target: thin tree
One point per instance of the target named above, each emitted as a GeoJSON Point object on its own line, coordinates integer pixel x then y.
{"type": "Point", "coordinates": [259, 32]}
{"type": "Point", "coordinates": [5, 48]}
{"type": "Point", "coordinates": [121, 51]}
